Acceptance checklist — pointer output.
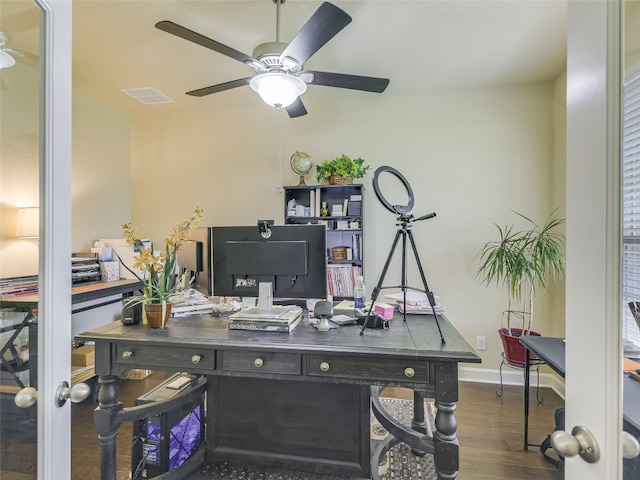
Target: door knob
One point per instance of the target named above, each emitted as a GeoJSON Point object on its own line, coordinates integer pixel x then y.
{"type": "Point", "coordinates": [579, 442]}
{"type": "Point", "coordinates": [26, 397]}
{"type": "Point", "coordinates": [630, 446]}
{"type": "Point", "coordinates": [77, 393]}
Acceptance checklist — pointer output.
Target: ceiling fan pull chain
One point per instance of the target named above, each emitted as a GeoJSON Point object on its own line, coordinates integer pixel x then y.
{"type": "Point", "coordinates": [279, 155]}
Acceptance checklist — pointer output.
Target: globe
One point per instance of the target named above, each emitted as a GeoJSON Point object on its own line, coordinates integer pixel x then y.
{"type": "Point", "coordinates": [301, 163]}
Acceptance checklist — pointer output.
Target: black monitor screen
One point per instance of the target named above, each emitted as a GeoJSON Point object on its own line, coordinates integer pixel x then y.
{"type": "Point", "coordinates": [292, 258]}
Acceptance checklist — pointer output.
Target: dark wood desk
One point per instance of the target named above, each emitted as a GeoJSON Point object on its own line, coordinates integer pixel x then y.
{"type": "Point", "coordinates": [551, 350]}
{"type": "Point", "coordinates": [79, 294]}
{"type": "Point", "coordinates": [299, 400]}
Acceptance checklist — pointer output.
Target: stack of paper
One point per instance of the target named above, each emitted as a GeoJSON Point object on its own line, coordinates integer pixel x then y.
{"type": "Point", "coordinates": [277, 319]}
{"type": "Point", "coordinates": [195, 303]}
{"type": "Point", "coordinates": [416, 302]}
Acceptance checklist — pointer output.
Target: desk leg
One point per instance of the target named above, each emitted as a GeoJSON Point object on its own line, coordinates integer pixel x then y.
{"type": "Point", "coordinates": [446, 455]}
{"type": "Point", "coordinates": [104, 423]}
{"type": "Point", "coordinates": [527, 379]}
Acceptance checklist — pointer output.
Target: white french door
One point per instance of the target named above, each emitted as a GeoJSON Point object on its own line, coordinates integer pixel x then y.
{"type": "Point", "coordinates": [54, 328]}
{"type": "Point", "coordinates": [593, 278]}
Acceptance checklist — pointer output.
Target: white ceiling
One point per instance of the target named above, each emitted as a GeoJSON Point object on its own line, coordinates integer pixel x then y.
{"type": "Point", "coordinates": [419, 45]}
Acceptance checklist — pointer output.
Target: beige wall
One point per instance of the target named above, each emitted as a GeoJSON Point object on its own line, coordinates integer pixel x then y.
{"type": "Point", "coordinates": [470, 156]}
{"type": "Point", "coordinates": [19, 118]}
{"type": "Point", "coordinates": [101, 169]}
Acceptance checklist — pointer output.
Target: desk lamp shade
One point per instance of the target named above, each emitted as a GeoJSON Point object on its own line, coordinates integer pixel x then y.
{"type": "Point", "coordinates": [28, 222]}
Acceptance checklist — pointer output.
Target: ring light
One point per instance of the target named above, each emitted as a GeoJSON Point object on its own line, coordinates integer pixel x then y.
{"type": "Point", "coordinates": [400, 209]}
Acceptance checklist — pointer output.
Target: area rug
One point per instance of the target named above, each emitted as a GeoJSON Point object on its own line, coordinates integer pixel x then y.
{"type": "Point", "coordinates": [400, 463]}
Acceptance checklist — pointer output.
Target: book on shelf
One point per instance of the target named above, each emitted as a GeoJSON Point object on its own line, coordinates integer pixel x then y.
{"type": "Point", "coordinates": [318, 202]}
{"type": "Point", "coordinates": [356, 246]}
{"type": "Point", "coordinates": [312, 203]}
{"type": "Point", "coordinates": [265, 326]}
{"type": "Point", "coordinates": [342, 278]}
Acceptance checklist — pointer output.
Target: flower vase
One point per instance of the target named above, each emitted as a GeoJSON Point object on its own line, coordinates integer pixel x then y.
{"type": "Point", "coordinates": [154, 314]}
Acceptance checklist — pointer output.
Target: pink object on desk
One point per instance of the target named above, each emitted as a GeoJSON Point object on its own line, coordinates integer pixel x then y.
{"type": "Point", "coordinates": [385, 310]}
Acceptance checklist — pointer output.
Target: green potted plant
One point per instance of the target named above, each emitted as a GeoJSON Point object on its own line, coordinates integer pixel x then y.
{"type": "Point", "coordinates": [342, 169]}
{"type": "Point", "coordinates": [522, 261]}
{"type": "Point", "coordinates": [157, 273]}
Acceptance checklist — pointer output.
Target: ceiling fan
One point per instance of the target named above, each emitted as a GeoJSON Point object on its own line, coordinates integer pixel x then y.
{"type": "Point", "coordinates": [280, 78]}
{"type": "Point", "coordinates": [7, 55]}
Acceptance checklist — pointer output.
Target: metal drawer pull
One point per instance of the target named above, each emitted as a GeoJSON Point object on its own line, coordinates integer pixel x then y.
{"type": "Point", "coordinates": [196, 359]}
{"type": "Point", "coordinates": [324, 366]}
{"type": "Point", "coordinates": [409, 372]}
{"type": "Point", "coordinates": [258, 362]}
{"type": "Point", "coordinates": [127, 354]}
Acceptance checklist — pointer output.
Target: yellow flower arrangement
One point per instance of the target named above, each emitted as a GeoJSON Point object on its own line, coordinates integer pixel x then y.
{"type": "Point", "coordinates": [158, 276]}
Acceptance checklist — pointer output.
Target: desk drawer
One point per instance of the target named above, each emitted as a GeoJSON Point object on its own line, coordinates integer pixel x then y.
{"type": "Point", "coordinates": [259, 362]}
{"type": "Point", "coordinates": [173, 357]}
{"type": "Point", "coordinates": [368, 368]}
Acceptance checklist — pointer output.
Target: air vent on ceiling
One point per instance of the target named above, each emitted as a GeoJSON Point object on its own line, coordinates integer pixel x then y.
{"type": "Point", "coordinates": [147, 95]}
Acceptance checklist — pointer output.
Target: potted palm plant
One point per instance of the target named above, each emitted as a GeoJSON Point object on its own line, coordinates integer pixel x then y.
{"type": "Point", "coordinates": [157, 273]}
{"type": "Point", "coordinates": [341, 170]}
{"type": "Point", "coordinates": [522, 261]}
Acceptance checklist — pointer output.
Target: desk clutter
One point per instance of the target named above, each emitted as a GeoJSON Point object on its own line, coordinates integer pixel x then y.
{"type": "Point", "coordinates": [85, 268]}
{"type": "Point", "coordinates": [276, 319]}
{"type": "Point", "coordinates": [19, 285]}
{"type": "Point", "coordinates": [14, 347]}
{"type": "Point", "coordinates": [192, 303]}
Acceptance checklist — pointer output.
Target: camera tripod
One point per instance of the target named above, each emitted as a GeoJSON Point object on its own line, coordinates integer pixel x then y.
{"type": "Point", "coordinates": [405, 222]}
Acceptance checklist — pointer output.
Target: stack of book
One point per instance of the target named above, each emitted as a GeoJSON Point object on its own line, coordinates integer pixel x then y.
{"type": "Point", "coordinates": [19, 285]}
{"type": "Point", "coordinates": [193, 304]}
{"type": "Point", "coordinates": [277, 319]}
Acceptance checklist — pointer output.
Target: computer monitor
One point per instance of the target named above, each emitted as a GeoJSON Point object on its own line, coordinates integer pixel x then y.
{"type": "Point", "coordinates": [291, 257]}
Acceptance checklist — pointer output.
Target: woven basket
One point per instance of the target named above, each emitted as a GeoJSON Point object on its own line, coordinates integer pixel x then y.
{"type": "Point", "coordinates": [339, 253]}
{"type": "Point", "coordinates": [336, 179]}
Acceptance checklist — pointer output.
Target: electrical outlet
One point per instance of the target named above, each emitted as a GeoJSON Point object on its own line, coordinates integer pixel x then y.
{"type": "Point", "coordinates": [481, 343]}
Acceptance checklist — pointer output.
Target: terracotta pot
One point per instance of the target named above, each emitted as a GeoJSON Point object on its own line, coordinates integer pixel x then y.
{"type": "Point", "coordinates": [154, 314]}
{"type": "Point", "coordinates": [336, 179]}
{"type": "Point", "coordinates": [514, 351]}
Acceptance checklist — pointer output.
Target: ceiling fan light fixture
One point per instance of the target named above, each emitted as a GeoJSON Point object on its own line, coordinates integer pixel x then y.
{"type": "Point", "coordinates": [278, 89]}
{"type": "Point", "coordinates": [6, 60]}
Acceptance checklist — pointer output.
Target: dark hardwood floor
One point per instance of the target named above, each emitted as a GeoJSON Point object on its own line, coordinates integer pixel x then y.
{"type": "Point", "coordinates": [490, 431]}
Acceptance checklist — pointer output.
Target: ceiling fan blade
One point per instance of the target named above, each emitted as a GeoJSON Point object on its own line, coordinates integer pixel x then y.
{"type": "Point", "coordinates": [296, 109]}
{"type": "Point", "coordinates": [221, 87]}
{"type": "Point", "coordinates": [343, 80]}
{"type": "Point", "coordinates": [323, 25]}
{"type": "Point", "coordinates": [191, 36]}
